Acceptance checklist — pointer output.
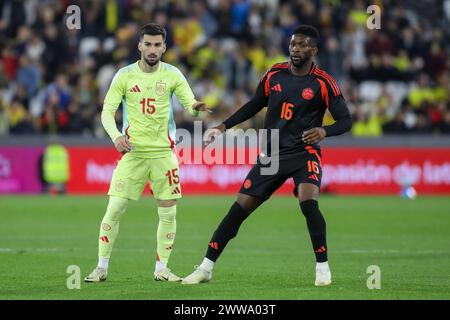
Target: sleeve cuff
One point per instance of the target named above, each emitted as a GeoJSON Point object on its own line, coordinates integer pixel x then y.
{"type": "Point", "coordinates": [194, 113]}
{"type": "Point", "coordinates": [115, 136]}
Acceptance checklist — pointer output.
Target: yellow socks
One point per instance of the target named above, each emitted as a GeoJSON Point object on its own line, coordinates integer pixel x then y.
{"type": "Point", "coordinates": [165, 235]}
{"type": "Point", "coordinates": [110, 228]}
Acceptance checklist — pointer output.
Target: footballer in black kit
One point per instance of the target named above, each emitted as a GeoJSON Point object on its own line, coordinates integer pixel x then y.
{"type": "Point", "coordinates": [295, 104]}
{"type": "Point", "coordinates": [296, 93]}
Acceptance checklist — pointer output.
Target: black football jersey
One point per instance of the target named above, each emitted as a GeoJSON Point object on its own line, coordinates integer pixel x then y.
{"type": "Point", "coordinates": [297, 103]}
{"type": "Point", "coordinates": [294, 104]}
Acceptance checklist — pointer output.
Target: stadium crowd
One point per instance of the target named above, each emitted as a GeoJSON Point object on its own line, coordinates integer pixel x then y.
{"type": "Point", "coordinates": [53, 79]}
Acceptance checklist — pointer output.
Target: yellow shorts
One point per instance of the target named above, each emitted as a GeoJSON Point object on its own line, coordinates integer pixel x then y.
{"type": "Point", "coordinates": [131, 175]}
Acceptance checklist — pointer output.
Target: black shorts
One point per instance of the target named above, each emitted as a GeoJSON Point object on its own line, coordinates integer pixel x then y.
{"type": "Point", "coordinates": [303, 167]}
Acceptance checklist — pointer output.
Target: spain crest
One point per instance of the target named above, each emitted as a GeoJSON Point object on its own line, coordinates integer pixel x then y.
{"type": "Point", "coordinates": [160, 88]}
{"type": "Point", "coordinates": [119, 185]}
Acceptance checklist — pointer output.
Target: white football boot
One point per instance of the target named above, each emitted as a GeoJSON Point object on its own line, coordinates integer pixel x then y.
{"type": "Point", "coordinates": [323, 274]}
{"type": "Point", "coordinates": [99, 274]}
{"type": "Point", "coordinates": [200, 275]}
{"type": "Point", "coordinates": [166, 275]}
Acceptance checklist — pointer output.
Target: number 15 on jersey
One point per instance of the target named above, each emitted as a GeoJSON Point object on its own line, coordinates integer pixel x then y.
{"type": "Point", "coordinates": [147, 106]}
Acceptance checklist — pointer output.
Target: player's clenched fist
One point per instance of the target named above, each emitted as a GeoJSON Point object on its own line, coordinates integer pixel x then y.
{"type": "Point", "coordinates": [212, 133]}
{"type": "Point", "coordinates": [122, 144]}
{"type": "Point", "coordinates": [313, 135]}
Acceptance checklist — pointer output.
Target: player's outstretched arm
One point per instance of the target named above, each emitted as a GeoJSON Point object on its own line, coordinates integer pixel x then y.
{"type": "Point", "coordinates": [186, 97]}
{"type": "Point", "coordinates": [248, 110]}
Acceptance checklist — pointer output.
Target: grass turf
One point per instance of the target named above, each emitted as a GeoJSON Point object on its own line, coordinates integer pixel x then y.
{"type": "Point", "coordinates": [40, 236]}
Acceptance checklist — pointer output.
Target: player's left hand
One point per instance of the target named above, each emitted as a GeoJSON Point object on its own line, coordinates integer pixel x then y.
{"type": "Point", "coordinates": [201, 106]}
{"type": "Point", "coordinates": [313, 135]}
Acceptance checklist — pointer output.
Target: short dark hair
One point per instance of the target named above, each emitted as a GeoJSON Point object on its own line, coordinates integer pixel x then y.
{"type": "Point", "coordinates": [308, 31]}
{"type": "Point", "coordinates": [153, 29]}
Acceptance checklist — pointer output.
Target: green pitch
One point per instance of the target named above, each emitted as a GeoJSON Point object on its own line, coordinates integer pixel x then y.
{"type": "Point", "coordinates": [270, 259]}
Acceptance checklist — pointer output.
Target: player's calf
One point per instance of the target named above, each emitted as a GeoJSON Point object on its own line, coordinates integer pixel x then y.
{"type": "Point", "coordinates": [316, 228]}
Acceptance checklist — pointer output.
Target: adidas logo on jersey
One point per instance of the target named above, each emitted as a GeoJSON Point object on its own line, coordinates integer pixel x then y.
{"type": "Point", "coordinates": [276, 88]}
{"type": "Point", "coordinates": [314, 177]}
{"type": "Point", "coordinates": [135, 89]}
{"type": "Point", "coordinates": [176, 191]}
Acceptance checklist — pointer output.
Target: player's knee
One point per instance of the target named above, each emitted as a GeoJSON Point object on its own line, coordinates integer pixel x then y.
{"type": "Point", "coordinates": [167, 214]}
{"type": "Point", "coordinates": [166, 203]}
{"type": "Point", "coordinates": [307, 191]}
{"type": "Point", "coordinates": [248, 203]}
{"type": "Point", "coordinates": [116, 208]}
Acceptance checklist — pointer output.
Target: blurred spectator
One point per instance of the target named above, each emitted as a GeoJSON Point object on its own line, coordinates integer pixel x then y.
{"type": "Point", "coordinates": [18, 119]}
{"type": "Point", "coordinates": [444, 126]}
{"type": "Point", "coordinates": [239, 17]}
{"type": "Point", "coordinates": [366, 125]}
{"type": "Point", "coordinates": [436, 60]}
{"type": "Point", "coordinates": [28, 75]}
{"type": "Point", "coordinates": [422, 93]}
{"type": "Point", "coordinates": [12, 15]}
{"type": "Point", "coordinates": [55, 168]}
{"type": "Point", "coordinates": [396, 125]}
{"type": "Point", "coordinates": [76, 122]}
{"type": "Point", "coordinates": [60, 88]}
{"type": "Point", "coordinates": [222, 14]}
{"type": "Point", "coordinates": [422, 124]}
{"type": "Point", "coordinates": [54, 118]}
{"type": "Point", "coordinates": [10, 62]}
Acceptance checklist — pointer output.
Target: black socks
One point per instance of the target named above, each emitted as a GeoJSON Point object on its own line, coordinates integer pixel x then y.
{"type": "Point", "coordinates": [226, 231]}
{"type": "Point", "coordinates": [316, 227]}
{"type": "Point", "coordinates": [231, 223]}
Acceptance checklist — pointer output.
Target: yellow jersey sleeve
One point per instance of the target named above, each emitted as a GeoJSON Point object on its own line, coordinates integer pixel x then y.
{"type": "Point", "coordinates": [114, 97]}
{"type": "Point", "coordinates": [184, 93]}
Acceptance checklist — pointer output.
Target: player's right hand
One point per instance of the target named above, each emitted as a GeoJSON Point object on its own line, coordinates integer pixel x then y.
{"type": "Point", "coordinates": [122, 144]}
{"type": "Point", "coordinates": [213, 133]}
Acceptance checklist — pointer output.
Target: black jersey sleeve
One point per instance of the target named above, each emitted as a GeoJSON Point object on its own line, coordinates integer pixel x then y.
{"type": "Point", "coordinates": [339, 110]}
{"type": "Point", "coordinates": [333, 99]}
{"type": "Point", "coordinates": [252, 107]}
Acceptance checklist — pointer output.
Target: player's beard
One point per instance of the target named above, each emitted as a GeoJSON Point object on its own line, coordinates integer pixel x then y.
{"type": "Point", "coordinates": [300, 62]}
{"type": "Point", "coordinates": [150, 62]}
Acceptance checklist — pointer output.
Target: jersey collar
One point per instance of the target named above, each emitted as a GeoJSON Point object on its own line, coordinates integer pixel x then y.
{"type": "Point", "coordinates": [157, 70]}
{"type": "Point", "coordinates": [311, 70]}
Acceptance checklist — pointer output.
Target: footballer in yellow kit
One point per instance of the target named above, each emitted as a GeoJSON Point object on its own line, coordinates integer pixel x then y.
{"type": "Point", "coordinates": [145, 89]}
